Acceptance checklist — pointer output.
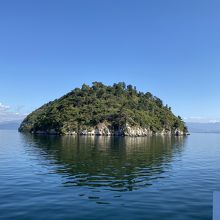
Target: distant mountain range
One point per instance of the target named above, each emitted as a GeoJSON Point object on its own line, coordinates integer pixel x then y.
{"type": "Point", "coordinates": [203, 127]}
{"type": "Point", "coordinates": [10, 125]}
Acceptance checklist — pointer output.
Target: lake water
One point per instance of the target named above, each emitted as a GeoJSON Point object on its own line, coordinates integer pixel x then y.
{"type": "Point", "coordinates": [158, 178]}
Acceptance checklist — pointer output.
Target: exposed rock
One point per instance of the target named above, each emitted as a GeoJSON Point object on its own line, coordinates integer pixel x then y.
{"type": "Point", "coordinates": [103, 129]}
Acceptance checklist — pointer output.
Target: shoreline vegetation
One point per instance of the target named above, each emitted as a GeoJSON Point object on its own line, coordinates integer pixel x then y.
{"type": "Point", "coordinates": [101, 110]}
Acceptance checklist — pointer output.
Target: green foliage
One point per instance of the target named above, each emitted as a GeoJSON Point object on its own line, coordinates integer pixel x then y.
{"type": "Point", "coordinates": [116, 105]}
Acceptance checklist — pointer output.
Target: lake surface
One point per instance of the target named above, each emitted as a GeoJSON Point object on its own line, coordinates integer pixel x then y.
{"type": "Point", "coordinates": [158, 178]}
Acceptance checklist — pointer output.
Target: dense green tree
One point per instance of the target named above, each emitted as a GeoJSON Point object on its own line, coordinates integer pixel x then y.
{"type": "Point", "coordinates": [115, 105]}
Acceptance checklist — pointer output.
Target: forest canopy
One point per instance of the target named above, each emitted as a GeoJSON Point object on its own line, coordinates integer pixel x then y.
{"type": "Point", "coordinates": [116, 105]}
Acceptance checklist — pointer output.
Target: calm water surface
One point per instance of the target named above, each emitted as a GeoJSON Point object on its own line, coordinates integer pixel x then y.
{"type": "Point", "coordinates": [154, 178]}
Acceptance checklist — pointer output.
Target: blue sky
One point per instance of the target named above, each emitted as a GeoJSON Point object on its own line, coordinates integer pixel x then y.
{"type": "Point", "coordinates": [170, 48]}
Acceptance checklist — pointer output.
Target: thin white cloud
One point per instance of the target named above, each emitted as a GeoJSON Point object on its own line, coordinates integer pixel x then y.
{"type": "Point", "coordinates": [6, 114]}
{"type": "Point", "coordinates": [3, 107]}
{"type": "Point", "coordinates": [200, 119]}
{"type": "Point", "coordinates": [214, 120]}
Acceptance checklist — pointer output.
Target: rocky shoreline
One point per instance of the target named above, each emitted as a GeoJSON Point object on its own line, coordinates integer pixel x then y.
{"type": "Point", "coordinates": [104, 130]}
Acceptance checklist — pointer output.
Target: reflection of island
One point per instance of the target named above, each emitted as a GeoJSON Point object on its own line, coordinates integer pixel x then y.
{"type": "Point", "coordinates": [115, 163]}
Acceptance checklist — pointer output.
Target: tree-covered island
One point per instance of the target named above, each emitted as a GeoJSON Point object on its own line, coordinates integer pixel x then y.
{"type": "Point", "coordinates": [105, 110]}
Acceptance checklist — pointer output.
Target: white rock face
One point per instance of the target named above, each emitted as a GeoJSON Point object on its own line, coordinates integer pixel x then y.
{"type": "Point", "coordinates": [102, 129]}
{"type": "Point", "coordinates": [136, 131]}
{"type": "Point", "coordinates": [105, 129]}
{"type": "Point", "coordinates": [178, 132]}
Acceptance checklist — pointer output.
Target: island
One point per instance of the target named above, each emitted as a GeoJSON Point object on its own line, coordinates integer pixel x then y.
{"type": "Point", "coordinates": [99, 109]}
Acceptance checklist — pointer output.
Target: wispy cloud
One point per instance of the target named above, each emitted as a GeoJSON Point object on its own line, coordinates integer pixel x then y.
{"type": "Point", "coordinates": [7, 114]}
{"type": "Point", "coordinates": [200, 119]}
{"type": "Point", "coordinates": [3, 107]}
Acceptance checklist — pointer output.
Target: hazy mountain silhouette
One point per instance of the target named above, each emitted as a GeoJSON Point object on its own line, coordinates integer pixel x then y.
{"type": "Point", "coordinates": [203, 127]}
{"type": "Point", "coordinates": [10, 125]}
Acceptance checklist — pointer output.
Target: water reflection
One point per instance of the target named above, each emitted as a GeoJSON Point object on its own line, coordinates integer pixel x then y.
{"type": "Point", "coordinates": [113, 163]}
